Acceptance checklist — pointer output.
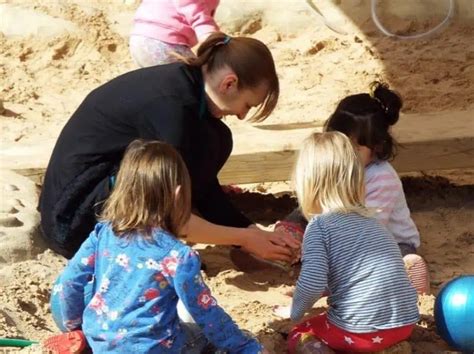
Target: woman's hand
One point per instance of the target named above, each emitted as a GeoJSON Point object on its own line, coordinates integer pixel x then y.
{"type": "Point", "coordinates": [270, 245]}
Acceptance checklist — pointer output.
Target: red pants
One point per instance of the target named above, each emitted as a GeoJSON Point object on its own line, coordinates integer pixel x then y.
{"type": "Point", "coordinates": [318, 329]}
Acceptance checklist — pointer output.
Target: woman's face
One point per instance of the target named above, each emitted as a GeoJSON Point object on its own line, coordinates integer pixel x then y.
{"type": "Point", "coordinates": [225, 98]}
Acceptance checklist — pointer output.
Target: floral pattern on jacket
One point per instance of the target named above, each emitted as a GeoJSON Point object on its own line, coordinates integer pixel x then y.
{"type": "Point", "coordinates": [136, 287]}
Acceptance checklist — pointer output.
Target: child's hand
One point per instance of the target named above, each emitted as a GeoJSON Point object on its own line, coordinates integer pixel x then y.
{"type": "Point", "coordinates": [292, 231]}
{"type": "Point", "coordinates": [282, 311]}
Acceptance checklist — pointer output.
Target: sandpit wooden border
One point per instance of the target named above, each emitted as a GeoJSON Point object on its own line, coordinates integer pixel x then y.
{"type": "Point", "coordinates": [266, 153]}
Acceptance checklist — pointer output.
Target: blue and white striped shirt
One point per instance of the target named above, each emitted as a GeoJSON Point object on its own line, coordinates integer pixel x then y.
{"type": "Point", "coordinates": [357, 259]}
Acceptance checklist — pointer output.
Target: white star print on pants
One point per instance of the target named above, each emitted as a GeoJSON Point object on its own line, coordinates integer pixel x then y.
{"type": "Point", "coordinates": [377, 340]}
{"type": "Point", "coordinates": [348, 340]}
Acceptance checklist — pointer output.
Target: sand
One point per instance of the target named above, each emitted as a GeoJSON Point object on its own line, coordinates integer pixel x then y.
{"type": "Point", "coordinates": [54, 53]}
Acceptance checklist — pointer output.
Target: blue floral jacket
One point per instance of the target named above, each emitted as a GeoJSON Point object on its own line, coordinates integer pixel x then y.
{"type": "Point", "coordinates": [137, 284]}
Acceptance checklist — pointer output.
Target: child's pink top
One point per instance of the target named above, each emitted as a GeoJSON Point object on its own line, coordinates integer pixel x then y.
{"type": "Point", "coordinates": [384, 192]}
{"type": "Point", "coordinates": [176, 21]}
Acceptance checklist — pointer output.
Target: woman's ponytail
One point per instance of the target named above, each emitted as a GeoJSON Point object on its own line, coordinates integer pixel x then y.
{"type": "Point", "coordinates": [207, 49]}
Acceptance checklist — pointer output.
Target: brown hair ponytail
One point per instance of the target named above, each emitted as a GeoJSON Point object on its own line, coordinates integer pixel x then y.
{"type": "Point", "coordinates": [251, 61]}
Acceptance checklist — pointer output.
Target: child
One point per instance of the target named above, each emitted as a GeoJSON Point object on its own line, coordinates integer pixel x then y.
{"type": "Point", "coordinates": [139, 270]}
{"type": "Point", "coordinates": [170, 26]}
{"type": "Point", "coordinates": [372, 304]}
{"type": "Point", "coordinates": [366, 119]}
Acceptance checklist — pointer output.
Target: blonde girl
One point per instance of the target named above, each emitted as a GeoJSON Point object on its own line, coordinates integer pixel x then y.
{"type": "Point", "coordinates": [367, 118]}
{"type": "Point", "coordinates": [372, 304]}
{"type": "Point", "coordinates": [139, 269]}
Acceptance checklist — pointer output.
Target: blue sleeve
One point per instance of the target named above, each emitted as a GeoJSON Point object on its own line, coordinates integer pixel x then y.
{"type": "Point", "coordinates": [74, 278]}
{"type": "Point", "coordinates": [216, 324]}
{"type": "Point", "coordinates": [313, 277]}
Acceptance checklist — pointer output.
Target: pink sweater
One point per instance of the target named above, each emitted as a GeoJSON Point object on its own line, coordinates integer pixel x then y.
{"type": "Point", "coordinates": [176, 21]}
{"type": "Point", "coordinates": [384, 192]}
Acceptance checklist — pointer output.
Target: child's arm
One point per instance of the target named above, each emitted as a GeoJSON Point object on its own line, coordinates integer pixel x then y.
{"type": "Point", "coordinates": [199, 16]}
{"type": "Point", "coordinates": [312, 280]}
{"type": "Point", "coordinates": [75, 276]}
{"type": "Point", "coordinates": [216, 324]}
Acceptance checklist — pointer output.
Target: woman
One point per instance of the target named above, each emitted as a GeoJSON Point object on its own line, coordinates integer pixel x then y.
{"type": "Point", "coordinates": [180, 104]}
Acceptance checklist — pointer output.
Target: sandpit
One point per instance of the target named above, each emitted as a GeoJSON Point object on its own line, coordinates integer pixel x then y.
{"type": "Point", "coordinates": [59, 51]}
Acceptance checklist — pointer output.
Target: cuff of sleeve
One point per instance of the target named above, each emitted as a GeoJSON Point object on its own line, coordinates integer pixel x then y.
{"type": "Point", "coordinates": [290, 227]}
{"type": "Point", "coordinates": [203, 31]}
{"type": "Point", "coordinates": [253, 348]}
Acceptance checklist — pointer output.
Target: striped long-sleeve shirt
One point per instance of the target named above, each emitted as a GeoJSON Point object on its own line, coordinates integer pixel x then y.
{"type": "Point", "coordinates": [356, 258]}
{"type": "Point", "coordinates": [384, 192]}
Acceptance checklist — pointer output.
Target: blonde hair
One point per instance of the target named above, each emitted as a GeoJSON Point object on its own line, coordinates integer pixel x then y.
{"type": "Point", "coordinates": [145, 195]}
{"type": "Point", "coordinates": [251, 61]}
{"type": "Point", "coordinates": [329, 176]}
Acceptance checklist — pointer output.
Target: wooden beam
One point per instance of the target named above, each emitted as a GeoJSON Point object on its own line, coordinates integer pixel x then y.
{"type": "Point", "coordinates": [434, 141]}
{"type": "Point", "coordinates": [266, 153]}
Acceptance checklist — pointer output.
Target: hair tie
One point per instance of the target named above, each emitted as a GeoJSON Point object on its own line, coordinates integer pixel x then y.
{"type": "Point", "coordinates": [372, 87]}
{"type": "Point", "coordinates": [372, 95]}
{"type": "Point", "coordinates": [226, 39]}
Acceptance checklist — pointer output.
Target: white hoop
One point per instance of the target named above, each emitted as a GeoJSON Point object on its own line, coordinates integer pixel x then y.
{"type": "Point", "coordinates": [415, 36]}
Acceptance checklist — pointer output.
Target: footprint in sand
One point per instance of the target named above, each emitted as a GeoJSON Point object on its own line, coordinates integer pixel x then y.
{"type": "Point", "coordinates": [12, 206]}
{"type": "Point", "coordinates": [19, 219]}
{"type": "Point", "coordinates": [11, 221]}
{"type": "Point", "coordinates": [11, 188]}
{"type": "Point", "coordinates": [8, 210]}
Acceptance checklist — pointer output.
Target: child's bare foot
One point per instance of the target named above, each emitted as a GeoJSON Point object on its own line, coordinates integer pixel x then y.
{"type": "Point", "coordinates": [418, 273]}
{"type": "Point", "coordinates": [66, 343]}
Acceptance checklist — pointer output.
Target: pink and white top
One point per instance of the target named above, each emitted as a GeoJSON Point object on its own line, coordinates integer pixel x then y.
{"type": "Point", "coordinates": [384, 193]}
{"type": "Point", "coordinates": [182, 22]}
